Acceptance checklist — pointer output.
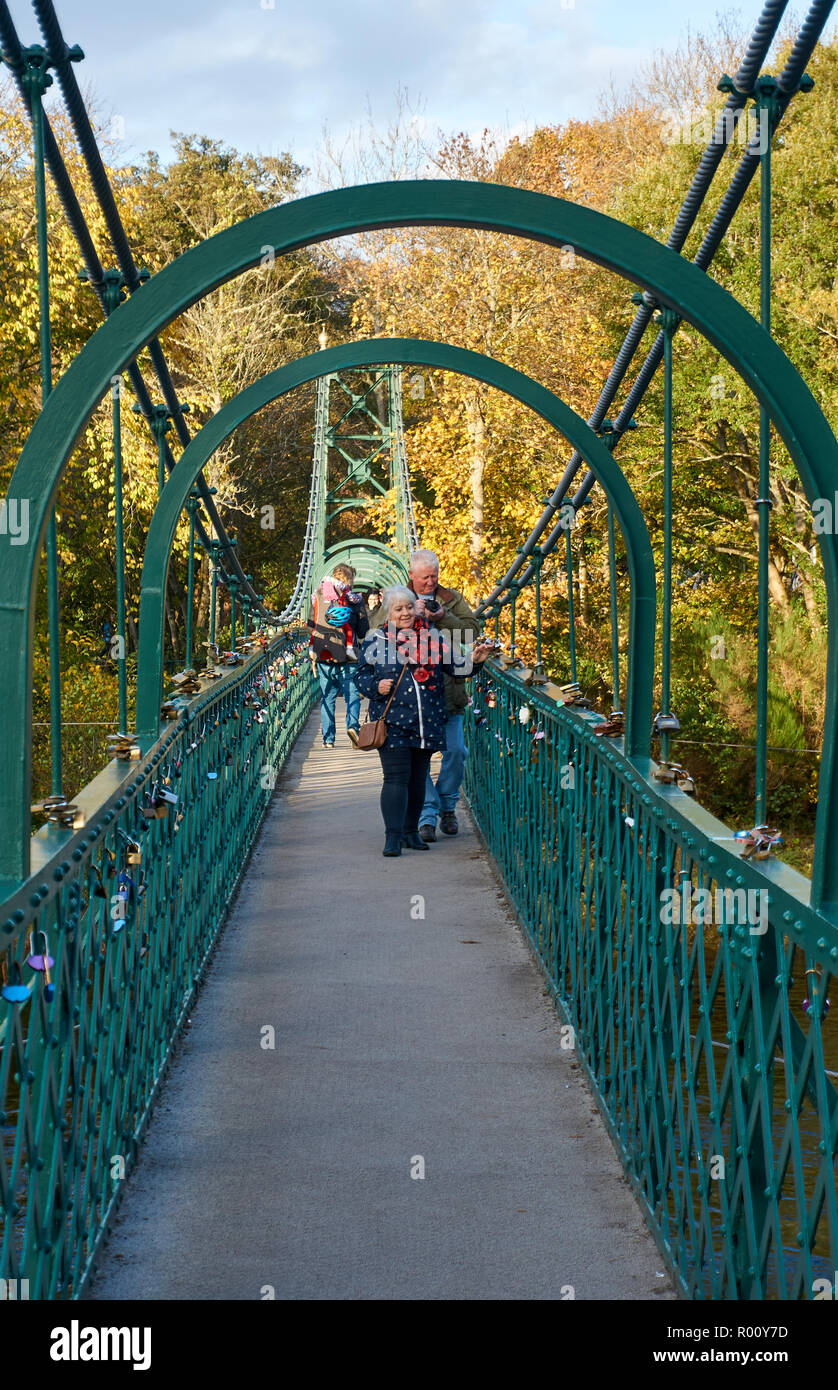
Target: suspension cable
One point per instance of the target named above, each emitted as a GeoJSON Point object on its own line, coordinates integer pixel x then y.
{"type": "Point", "coordinates": [62, 57]}
{"type": "Point", "coordinates": [726, 123]}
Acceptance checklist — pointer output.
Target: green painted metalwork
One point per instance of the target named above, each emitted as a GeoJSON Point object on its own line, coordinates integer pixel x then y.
{"type": "Point", "coordinates": [191, 505]}
{"type": "Point", "coordinates": [406, 539]}
{"type": "Point", "coordinates": [701, 1043]}
{"type": "Point", "coordinates": [571, 614]}
{"type": "Point", "coordinates": [374, 563]}
{"type": "Point", "coordinates": [232, 589]}
{"type": "Point", "coordinates": [538, 674]}
{"type": "Point", "coordinates": [767, 99]}
{"type": "Point", "coordinates": [614, 611]}
{"type": "Point", "coordinates": [36, 79]}
{"type": "Point", "coordinates": [161, 423]}
{"type": "Point", "coordinates": [674, 282]}
{"type": "Point", "coordinates": [79, 1072]}
{"type": "Point", "coordinates": [591, 846]}
{"type": "Point", "coordinates": [669, 324]}
{"type": "Point", "coordinates": [201, 448]}
{"type": "Point", "coordinates": [119, 557]}
{"type": "Point", "coordinates": [213, 592]}
{"type": "Point", "coordinates": [362, 443]}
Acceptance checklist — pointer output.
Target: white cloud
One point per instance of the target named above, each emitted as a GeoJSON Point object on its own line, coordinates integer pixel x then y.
{"type": "Point", "coordinates": [266, 79]}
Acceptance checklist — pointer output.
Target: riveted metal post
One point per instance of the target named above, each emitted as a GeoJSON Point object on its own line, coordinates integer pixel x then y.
{"type": "Point", "coordinates": [514, 588]}
{"type": "Point", "coordinates": [161, 423]}
{"type": "Point", "coordinates": [119, 557]}
{"type": "Point", "coordinates": [233, 589]}
{"type": "Point", "coordinates": [766, 101]}
{"type": "Point", "coordinates": [669, 321]}
{"type": "Point", "coordinates": [615, 616]}
{"type": "Point", "coordinates": [245, 606]}
{"type": "Point", "coordinates": [571, 615]}
{"type": "Point", "coordinates": [607, 433]}
{"type": "Point", "coordinates": [192, 503]}
{"type": "Point", "coordinates": [215, 551]}
{"type": "Point", "coordinates": [538, 675]}
{"type": "Point", "coordinates": [35, 79]}
{"type": "Point", "coordinates": [113, 295]}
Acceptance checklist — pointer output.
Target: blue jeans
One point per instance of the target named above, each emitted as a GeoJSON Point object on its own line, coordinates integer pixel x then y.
{"type": "Point", "coordinates": [444, 796]}
{"type": "Point", "coordinates": [337, 679]}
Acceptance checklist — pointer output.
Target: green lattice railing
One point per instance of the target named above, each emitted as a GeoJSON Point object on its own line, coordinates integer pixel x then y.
{"type": "Point", "coordinates": [707, 1046]}
{"type": "Point", "coordinates": [79, 1072]}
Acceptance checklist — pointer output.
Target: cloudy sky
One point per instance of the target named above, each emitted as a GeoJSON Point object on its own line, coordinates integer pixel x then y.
{"type": "Point", "coordinates": [268, 75]}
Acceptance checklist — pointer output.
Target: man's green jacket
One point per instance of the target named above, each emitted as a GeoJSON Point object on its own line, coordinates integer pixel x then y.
{"type": "Point", "coordinates": [461, 623]}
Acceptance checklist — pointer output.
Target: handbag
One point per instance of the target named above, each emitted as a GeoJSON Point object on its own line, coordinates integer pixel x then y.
{"type": "Point", "coordinates": [373, 732]}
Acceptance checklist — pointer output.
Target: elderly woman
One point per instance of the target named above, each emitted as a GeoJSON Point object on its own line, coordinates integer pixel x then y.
{"type": "Point", "coordinates": [406, 658]}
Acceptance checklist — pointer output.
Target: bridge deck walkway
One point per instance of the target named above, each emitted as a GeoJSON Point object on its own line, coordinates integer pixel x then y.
{"type": "Point", "coordinates": [395, 1037]}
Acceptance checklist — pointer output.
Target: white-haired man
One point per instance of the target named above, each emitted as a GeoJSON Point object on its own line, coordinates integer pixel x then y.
{"type": "Point", "coordinates": [447, 610]}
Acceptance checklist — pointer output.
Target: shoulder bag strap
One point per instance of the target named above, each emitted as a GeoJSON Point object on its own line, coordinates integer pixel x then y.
{"type": "Point", "coordinates": [383, 714]}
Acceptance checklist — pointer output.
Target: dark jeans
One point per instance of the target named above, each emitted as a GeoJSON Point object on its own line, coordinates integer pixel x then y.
{"type": "Point", "coordinates": [403, 793]}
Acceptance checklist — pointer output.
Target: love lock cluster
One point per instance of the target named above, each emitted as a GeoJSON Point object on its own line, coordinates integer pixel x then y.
{"type": "Point", "coordinates": [118, 879]}
{"type": "Point", "coordinates": [759, 842]}
{"type": "Point", "coordinates": [674, 772]}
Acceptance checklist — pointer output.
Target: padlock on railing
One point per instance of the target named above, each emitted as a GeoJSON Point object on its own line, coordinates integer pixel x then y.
{"type": "Point", "coordinates": [123, 747]}
{"type": "Point", "coordinates": [42, 963]}
{"type": "Point", "coordinates": [612, 727]}
{"type": "Point", "coordinates": [57, 809]}
{"type": "Point", "coordinates": [15, 991]}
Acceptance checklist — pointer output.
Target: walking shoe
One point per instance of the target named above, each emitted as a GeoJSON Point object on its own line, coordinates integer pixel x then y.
{"type": "Point", "coordinates": [413, 840]}
{"type": "Point", "coordinates": [327, 745]}
{"type": "Point", "coordinates": [392, 845]}
{"type": "Point", "coordinates": [352, 735]}
{"type": "Point", "coordinates": [448, 823]}
{"type": "Point", "coordinates": [428, 832]}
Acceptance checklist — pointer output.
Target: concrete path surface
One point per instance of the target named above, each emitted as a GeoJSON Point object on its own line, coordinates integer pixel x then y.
{"type": "Point", "coordinates": [412, 1035]}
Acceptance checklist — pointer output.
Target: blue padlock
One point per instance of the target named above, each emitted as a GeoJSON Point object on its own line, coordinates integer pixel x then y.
{"type": "Point", "coordinates": [16, 993]}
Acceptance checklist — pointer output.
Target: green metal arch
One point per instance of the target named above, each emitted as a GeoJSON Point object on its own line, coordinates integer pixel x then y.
{"type": "Point", "coordinates": [415, 351]}
{"type": "Point", "coordinates": [673, 282]}
{"type": "Point", "coordinates": [384, 561]}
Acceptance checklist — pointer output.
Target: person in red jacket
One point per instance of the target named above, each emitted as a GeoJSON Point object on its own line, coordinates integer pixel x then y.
{"type": "Point", "coordinates": [333, 666]}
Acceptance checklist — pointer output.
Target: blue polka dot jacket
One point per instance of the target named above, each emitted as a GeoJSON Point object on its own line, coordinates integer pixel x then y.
{"type": "Point", "coordinates": [417, 716]}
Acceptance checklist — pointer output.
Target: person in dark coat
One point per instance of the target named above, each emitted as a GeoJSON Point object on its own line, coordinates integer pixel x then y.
{"type": "Point", "coordinates": [417, 717]}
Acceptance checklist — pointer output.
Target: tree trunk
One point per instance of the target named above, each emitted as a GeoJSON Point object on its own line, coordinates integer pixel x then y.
{"type": "Point", "coordinates": [776, 587]}
{"type": "Point", "coordinates": [202, 619]}
{"type": "Point", "coordinates": [811, 604]}
{"type": "Point", "coordinates": [478, 434]}
{"type": "Point", "coordinates": [170, 619]}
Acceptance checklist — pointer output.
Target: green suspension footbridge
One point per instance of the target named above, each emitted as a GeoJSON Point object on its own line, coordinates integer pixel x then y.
{"type": "Point", "coordinates": [707, 1050]}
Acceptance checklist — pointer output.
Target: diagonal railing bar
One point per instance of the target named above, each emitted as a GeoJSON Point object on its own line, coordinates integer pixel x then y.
{"type": "Point", "coordinates": [80, 1068]}
{"type": "Point", "coordinates": [688, 1037]}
